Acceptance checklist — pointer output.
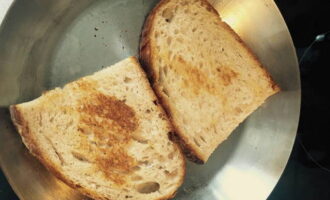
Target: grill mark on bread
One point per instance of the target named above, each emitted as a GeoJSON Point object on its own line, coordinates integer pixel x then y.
{"type": "Point", "coordinates": [197, 80]}
{"type": "Point", "coordinates": [191, 76]}
{"type": "Point", "coordinates": [227, 75]}
{"type": "Point", "coordinates": [111, 108]}
{"type": "Point", "coordinates": [102, 117]}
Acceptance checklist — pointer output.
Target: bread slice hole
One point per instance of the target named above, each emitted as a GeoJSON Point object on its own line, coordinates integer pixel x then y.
{"type": "Point", "coordinates": [139, 139]}
{"type": "Point", "coordinates": [197, 143]}
{"type": "Point", "coordinates": [79, 157]}
{"type": "Point", "coordinates": [179, 39]}
{"type": "Point", "coordinates": [184, 3]}
{"type": "Point", "coordinates": [136, 168]}
{"type": "Point", "coordinates": [202, 138]}
{"type": "Point", "coordinates": [171, 174]}
{"type": "Point", "coordinates": [148, 187]}
{"type": "Point", "coordinates": [165, 91]}
{"type": "Point", "coordinates": [127, 79]}
{"type": "Point", "coordinates": [146, 157]}
{"type": "Point", "coordinates": [208, 8]}
{"type": "Point", "coordinates": [165, 68]}
{"type": "Point", "coordinates": [168, 14]}
{"type": "Point", "coordinates": [145, 162]}
{"type": "Point", "coordinates": [59, 156]}
{"type": "Point", "coordinates": [92, 184]}
{"type": "Point", "coordinates": [170, 155]}
{"type": "Point", "coordinates": [238, 110]}
{"type": "Point", "coordinates": [156, 34]}
{"type": "Point", "coordinates": [125, 190]}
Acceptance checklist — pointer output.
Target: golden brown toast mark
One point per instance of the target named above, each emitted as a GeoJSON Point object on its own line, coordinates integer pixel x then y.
{"type": "Point", "coordinates": [226, 75]}
{"type": "Point", "coordinates": [106, 126]}
{"type": "Point", "coordinates": [86, 85]}
{"type": "Point", "coordinates": [107, 107]}
{"type": "Point", "coordinates": [192, 77]}
{"type": "Point", "coordinates": [196, 80]}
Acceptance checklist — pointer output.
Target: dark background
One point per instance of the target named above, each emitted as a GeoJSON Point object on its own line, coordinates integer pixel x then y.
{"type": "Point", "coordinates": [307, 175]}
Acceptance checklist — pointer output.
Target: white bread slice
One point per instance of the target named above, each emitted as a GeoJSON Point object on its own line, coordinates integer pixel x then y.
{"type": "Point", "coordinates": [104, 135]}
{"type": "Point", "coordinates": [207, 79]}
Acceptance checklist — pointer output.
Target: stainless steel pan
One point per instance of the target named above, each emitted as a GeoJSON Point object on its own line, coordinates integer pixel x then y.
{"type": "Point", "coordinates": [46, 43]}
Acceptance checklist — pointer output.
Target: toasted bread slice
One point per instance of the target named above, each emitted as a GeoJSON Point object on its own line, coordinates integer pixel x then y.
{"type": "Point", "coordinates": [104, 135]}
{"type": "Point", "coordinates": [205, 76]}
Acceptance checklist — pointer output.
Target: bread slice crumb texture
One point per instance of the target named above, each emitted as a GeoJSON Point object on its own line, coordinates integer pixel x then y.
{"type": "Point", "coordinates": [104, 135]}
{"type": "Point", "coordinates": [207, 79]}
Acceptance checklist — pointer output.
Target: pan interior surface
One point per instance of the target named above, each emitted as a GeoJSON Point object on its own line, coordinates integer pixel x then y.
{"type": "Point", "coordinates": [46, 43]}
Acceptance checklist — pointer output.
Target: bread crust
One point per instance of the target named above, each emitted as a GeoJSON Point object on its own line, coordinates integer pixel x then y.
{"type": "Point", "coordinates": [146, 59]}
